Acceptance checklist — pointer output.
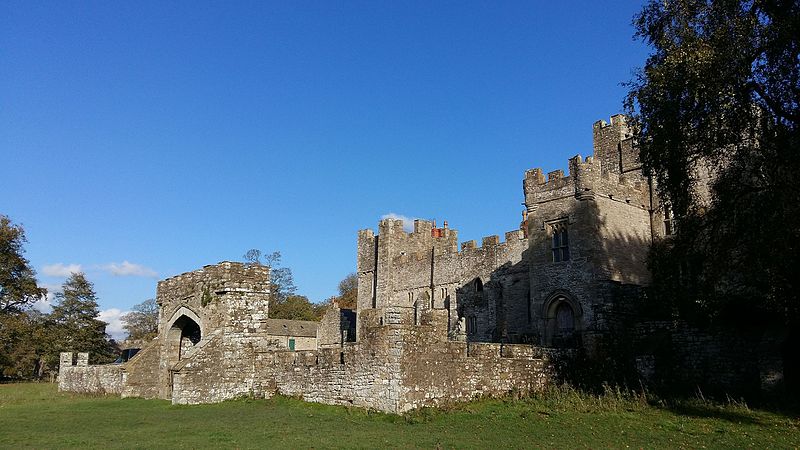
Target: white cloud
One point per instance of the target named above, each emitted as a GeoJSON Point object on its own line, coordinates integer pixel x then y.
{"type": "Point", "coordinates": [129, 269]}
{"type": "Point", "coordinates": [408, 222]}
{"type": "Point", "coordinates": [113, 317]}
{"type": "Point", "coordinates": [45, 304]}
{"type": "Point", "coordinates": [61, 270]}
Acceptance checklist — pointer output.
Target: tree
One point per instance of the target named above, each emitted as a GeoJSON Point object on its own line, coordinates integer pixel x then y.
{"type": "Point", "coordinates": [717, 106]}
{"type": "Point", "coordinates": [75, 319]}
{"type": "Point", "coordinates": [142, 321]}
{"type": "Point", "coordinates": [281, 278]}
{"type": "Point", "coordinates": [348, 292]}
{"type": "Point", "coordinates": [26, 345]}
{"type": "Point", "coordinates": [295, 307]}
{"type": "Point", "coordinates": [18, 287]}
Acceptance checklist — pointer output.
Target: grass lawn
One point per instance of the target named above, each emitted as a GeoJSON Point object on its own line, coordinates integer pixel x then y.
{"type": "Point", "coordinates": [36, 415]}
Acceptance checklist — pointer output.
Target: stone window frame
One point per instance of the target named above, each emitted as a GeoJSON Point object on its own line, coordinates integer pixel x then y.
{"type": "Point", "coordinates": [559, 240]}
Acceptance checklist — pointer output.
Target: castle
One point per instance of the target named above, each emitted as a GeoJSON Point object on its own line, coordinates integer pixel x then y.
{"type": "Point", "coordinates": [553, 282]}
{"type": "Point", "coordinates": [434, 323]}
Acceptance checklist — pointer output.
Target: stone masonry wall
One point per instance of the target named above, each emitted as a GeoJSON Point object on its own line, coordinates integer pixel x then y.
{"type": "Point", "coordinates": [436, 371]}
{"type": "Point", "coordinates": [424, 270]}
{"type": "Point", "coordinates": [83, 378]}
{"type": "Point", "coordinates": [140, 373]}
{"type": "Point", "coordinates": [394, 368]}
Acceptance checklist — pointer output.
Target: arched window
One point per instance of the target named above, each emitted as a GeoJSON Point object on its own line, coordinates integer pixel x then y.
{"type": "Point", "coordinates": [478, 285]}
{"type": "Point", "coordinates": [560, 241]}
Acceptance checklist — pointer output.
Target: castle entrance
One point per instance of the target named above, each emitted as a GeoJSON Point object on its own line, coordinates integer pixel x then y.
{"type": "Point", "coordinates": [562, 321]}
{"type": "Point", "coordinates": [181, 338]}
{"type": "Point", "coordinates": [182, 334]}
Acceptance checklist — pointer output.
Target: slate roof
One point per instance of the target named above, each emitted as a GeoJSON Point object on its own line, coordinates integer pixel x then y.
{"type": "Point", "coordinates": [283, 327]}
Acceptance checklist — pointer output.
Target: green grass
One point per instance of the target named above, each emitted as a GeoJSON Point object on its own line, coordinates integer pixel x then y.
{"type": "Point", "coordinates": [36, 415]}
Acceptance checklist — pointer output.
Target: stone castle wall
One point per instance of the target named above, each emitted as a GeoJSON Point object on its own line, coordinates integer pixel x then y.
{"type": "Point", "coordinates": [83, 378]}
{"type": "Point", "coordinates": [394, 368]}
{"type": "Point", "coordinates": [398, 270]}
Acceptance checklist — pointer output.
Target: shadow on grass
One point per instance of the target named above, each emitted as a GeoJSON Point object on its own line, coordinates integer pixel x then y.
{"type": "Point", "coordinates": [703, 411]}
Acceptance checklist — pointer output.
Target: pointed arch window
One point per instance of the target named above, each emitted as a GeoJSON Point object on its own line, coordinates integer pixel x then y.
{"type": "Point", "coordinates": [560, 241]}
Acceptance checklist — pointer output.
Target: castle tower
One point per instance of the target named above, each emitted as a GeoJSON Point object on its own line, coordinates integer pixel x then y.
{"type": "Point", "coordinates": [589, 232]}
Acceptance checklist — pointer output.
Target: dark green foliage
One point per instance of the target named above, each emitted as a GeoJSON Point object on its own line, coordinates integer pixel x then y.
{"type": "Point", "coordinates": [76, 326]}
{"type": "Point", "coordinates": [142, 321]}
{"type": "Point", "coordinates": [24, 338]}
{"type": "Point", "coordinates": [284, 304]}
{"type": "Point", "coordinates": [26, 344]}
{"type": "Point", "coordinates": [296, 307]}
{"type": "Point", "coordinates": [717, 106]}
{"type": "Point", "coordinates": [18, 287]}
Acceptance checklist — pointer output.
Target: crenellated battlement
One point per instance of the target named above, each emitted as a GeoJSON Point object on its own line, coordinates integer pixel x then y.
{"type": "Point", "coordinates": [226, 276]}
{"type": "Point", "coordinates": [424, 237]}
{"type": "Point", "coordinates": [513, 241]}
{"type": "Point", "coordinates": [613, 171]}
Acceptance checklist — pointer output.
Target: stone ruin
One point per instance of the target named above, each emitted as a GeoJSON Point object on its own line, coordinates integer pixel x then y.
{"type": "Point", "coordinates": [434, 323]}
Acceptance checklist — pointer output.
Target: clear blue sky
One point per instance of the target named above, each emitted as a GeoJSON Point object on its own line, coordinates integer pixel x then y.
{"type": "Point", "coordinates": [140, 140]}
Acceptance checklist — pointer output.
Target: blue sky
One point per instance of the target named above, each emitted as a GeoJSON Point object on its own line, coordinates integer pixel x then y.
{"type": "Point", "coordinates": [140, 140]}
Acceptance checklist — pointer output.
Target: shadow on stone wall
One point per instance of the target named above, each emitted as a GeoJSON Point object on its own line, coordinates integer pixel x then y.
{"type": "Point", "coordinates": [626, 338]}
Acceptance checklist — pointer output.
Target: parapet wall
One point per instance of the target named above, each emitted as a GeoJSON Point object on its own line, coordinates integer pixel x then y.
{"type": "Point", "coordinates": [614, 171]}
{"type": "Point", "coordinates": [83, 378]}
{"type": "Point", "coordinates": [224, 277]}
{"type": "Point", "coordinates": [226, 294]}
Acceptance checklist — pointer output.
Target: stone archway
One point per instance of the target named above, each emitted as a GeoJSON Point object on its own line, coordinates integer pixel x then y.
{"type": "Point", "coordinates": [562, 316]}
{"type": "Point", "coordinates": [181, 334]}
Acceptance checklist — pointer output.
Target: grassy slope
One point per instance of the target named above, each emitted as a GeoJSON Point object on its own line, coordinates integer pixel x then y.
{"type": "Point", "coordinates": [35, 415]}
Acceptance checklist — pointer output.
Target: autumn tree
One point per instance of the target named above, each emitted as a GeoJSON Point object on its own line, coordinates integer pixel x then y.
{"type": "Point", "coordinates": [716, 108]}
{"type": "Point", "coordinates": [142, 321]}
{"type": "Point", "coordinates": [348, 292]}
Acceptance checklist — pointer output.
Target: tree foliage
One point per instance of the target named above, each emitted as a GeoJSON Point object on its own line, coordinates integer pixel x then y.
{"type": "Point", "coordinates": [30, 341]}
{"type": "Point", "coordinates": [296, 307]}
{"type": "Point", "coordinates": [18, 287]}
{"type": "Point", "coordinates": [142, 321]}
{"type": "Point", "coordinates": [75, 318]}
{"type": "Point", "coordinates": [284, 303]}
{"type": "Point", "coordinates": [281, 278]}
{"type": "Point", "coordinates": [26, 345]}
{"type": "Point", "coordinates": [716, 108]}
{"type": "Point", "coordinates": [348, 292]}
